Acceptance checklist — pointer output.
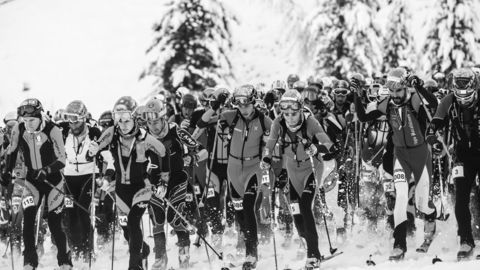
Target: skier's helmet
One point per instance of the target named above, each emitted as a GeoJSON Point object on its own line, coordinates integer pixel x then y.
{"type": "Point", "coordinates": [106, 119]}
{"type": "Point", "coordinates": [10, 116]}
{"type": "Point", "coordinates": [75, 112]}
{"type": "Point", "coordinates": [464, 84]}
{"type": "Point", "coordinates": [291, 100]}
{"type": "Point", "coordinates": [30, 107]}
{"type": "Point", "coordinates": [431, 86]}
{"type": "Point", "coordinates": [189, 101]}
{"type": "Point", "coordinates": [205, 96]}
{"type": "Point", "coordinates": [124, 109]}
{"type": "Point", "coordinates": [244, 95]}
{"type": "Point", "coordinates": [291, 79]}
{"type": "Point", "coordinates": [299, 85]}
{"type": "Point", "coordinates": [155, 109]}
{"type": "Point", "coordinates": [340, 88]}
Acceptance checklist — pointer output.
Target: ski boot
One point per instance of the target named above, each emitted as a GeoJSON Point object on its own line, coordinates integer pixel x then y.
{"type": "Point", "coordinates": [160, 263]}
{"type": "Point", "coordinates": [429, 229]}
{"type": "Point", "coordinates": [145, 253]}
{"type": "Point", "coordinates": [397, 254]}
{"type": "Point", "coordinates": [312, 264]}
{"type": "Point", "coordinates": [250, 263]}
{"type": "Point", "coordinates": [184, 257]}
{"type": "Point", "coordinates": [465, 252]}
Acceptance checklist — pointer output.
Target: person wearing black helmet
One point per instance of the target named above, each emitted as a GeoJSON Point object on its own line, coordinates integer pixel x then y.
{"type": "Point", "coordinates": [461, 107]}
{"type": "Point", "coordinates": [41, 143]}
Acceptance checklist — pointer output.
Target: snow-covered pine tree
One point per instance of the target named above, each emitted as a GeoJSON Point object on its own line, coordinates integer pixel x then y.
{"type": "Point", "coordinates": [397, 40]}
{"type": "Point", "coordinates": [344, 37]}
{"type": "Point", "coordinates": [191, 45]}
{"type": "Point", "coordinates": [453, 37]}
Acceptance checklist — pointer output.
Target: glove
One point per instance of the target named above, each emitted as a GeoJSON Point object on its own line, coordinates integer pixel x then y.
{"type": "Point", "coordinates": [282, 179]}
{"type": "Point", "coordinates": [161, 190]}
{"type": "Point", "coordinates": [215, 105]}
{"type": "Point", "coordinates": [109, 173]}
{"type": "Point", "coordinates": [265, 163]}
{"type": "Point", "coordinates": [165, 176]}
{"type": "Point", "coordinates": [185, 124]}
{"type": "Point", "coordinates": [187, 160]}
{"type": "Point", "coordinates": [311, 150]}
{"type": "Point", "coordinates": [432, 139]}
{"type": "Point", "coordinates": [222, 98]}
{"type": "Point", "coordinates": [356, 85]}
{"type": "Point", "coordinates": [6, 179]}
{"type": "Point", "coordinates": [414, 81]}
{"type": "Point", "coordinates": [103, 184]}
{"type": "Point", "coordinates": [41, 175]}
{"type": "Point", "coordinates": [93, 148]}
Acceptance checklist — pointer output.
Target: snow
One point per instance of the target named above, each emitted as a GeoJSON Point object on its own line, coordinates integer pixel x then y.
{"type": "Point", "coordinates": [94, 50]}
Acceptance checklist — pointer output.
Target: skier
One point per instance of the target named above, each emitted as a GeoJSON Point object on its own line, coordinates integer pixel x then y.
{"type": "Point", "coordinates": [248, 131]}
{"type": "Point", "coordinates": [42, 146]}
{"type": "Point", "coordinates": [302, 139]}
{"type": "Point", "coordinates": [105, 120]}
{"type": "Point", "coordinates": [79, 171]}
{"type": "Point", "coordinates": [173, 188]}
{"type": "Point", "coordinates": [461, 107]}
{"type": "Point", "coordinates": [132, 149]}
{"type": "Point", "coordinates": [412, 157]}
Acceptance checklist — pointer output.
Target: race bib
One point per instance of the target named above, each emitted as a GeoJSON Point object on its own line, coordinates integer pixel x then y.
{"type": "Point", "coordinates": [16, 201]}
{"type": "Point", "coordinates": [122, 220]}
{"type": "Point", "coordinates": [189, 197]}
{"type": "Point", "coordinates": [366, 176]}
{"type": "Point", "coordinates": [28, 201]}
{"type": "Point", "coordinates": [399, 176]}
{"type": "Point", "coordinates": [196, 188]}
{"type": "Point", "coordinates": [68, 202]}
{"type": "Point", "coordinates": [388, 186]}
{"type": "Point", "coordinates": [295, 207]}
{"type": "Point", "coordinates": [237, 204]}
{"type": "Point", "coordinates": [457, 171]}
{"type": "Point", "coordinates": [211, 192]}
{"type": "Point", "coordinates": [266, 178]}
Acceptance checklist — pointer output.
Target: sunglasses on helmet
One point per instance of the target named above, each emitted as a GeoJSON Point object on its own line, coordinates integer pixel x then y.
{"type": "Point", "coordinates": [105, 122]}
{"type": "Point", "coordinates": [122, 116]}
{"type": "Point", "coordinates": [152, 116]}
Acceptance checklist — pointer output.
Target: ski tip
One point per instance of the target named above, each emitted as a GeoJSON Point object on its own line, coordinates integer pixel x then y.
{"type": "Point", "coordinates": [436, 259]}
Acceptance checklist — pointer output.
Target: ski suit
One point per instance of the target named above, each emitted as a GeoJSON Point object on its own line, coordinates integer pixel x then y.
{"type": "Point", "coordinates": [246, 141]}
{"type": "Point", "coordinates": [412, 158]}
{"type": "Point", "coordinates": [132, 155]}
{"type": "Point", "coordinates": [465, 124]}
{"type": "Point", "coordinates": [302, 176]}
{"type": "Point", "coordinates": [42, 150]}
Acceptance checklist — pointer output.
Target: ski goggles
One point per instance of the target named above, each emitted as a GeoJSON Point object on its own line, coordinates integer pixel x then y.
{"type": "Point", "coordinates": [122, 116]}
{"type": "Point", "coordinates": [289, 105]}
{"type": "Point", "coordinates": [73, 117]}
{"type": "Point", "coordinates": [242, 101]}
{"type": "Point", "coordinates": [27, 110]}
{"type": "Point", "coordinates": [152, 116]}
{"type": "Point", "coordinates": [340, 92]}
{"type": "Point", "coordinates": [105, 122]}
{"type": "Point", "coordinates": [291, 113]}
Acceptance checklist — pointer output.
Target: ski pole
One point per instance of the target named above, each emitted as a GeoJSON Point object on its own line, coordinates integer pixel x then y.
{"type": "Point", "coordinates": [113, 231]}
{"type": "Point", "coordinates": [92, 215]}
{"type": "Point", "coordinates": [272, 224]}
{"type": "Point", "coordinates": [38, 217]}
{"type": "Point", "coordinates": [73, 200]}
{"type": "Point", "coordinates": [219, 255]}
{"type": "Point", "coordinates": [332, 250]}
{"type": "Point", "coordinates": [209, 177]}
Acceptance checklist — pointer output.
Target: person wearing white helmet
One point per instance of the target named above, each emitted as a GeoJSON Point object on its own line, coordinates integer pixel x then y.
{"type": "Point", "coordinates": [302, 139]}
{"type": "Point", "coordinates": [461, 107]}
{"type": "Point", "coordinates": [412, 157]}
{"type": "Point", "coordinates": [175, 189]}
{"type": "Point", "coordinates": [41, 143]}
{"type": "Point", "coordinates": [132, 148]}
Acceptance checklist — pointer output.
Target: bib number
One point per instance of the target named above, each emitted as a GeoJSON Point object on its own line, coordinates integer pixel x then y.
{"type": "Point", "coordinates": [266, 178]}
{"type": "Point", "coordinates": [399, 176]}
{"type": "Point", "coordinates": [68, 202]}
{"type": "Point", "coordinates": [295, 207]}
{"type": "Point", "coordinates": [122, 220]}
{"type": "Point", "coordinates": [189, 197]}
{"type": "Point", "coordinates": [237, 204]}
{"type": "Point", "coordinates": [16, 201]}
{"type": "Point", "coordinates": [196, 189]}
{"type": "Point", "coordinates": [366, 176]}
{"type": "Point", "coordinates": [211, 192]}
{"type": "Point", "coordinates": [457, 171]}
{"type": "Point", "coordinates": [28, 201]}
{"type": "Point", "coordinates": [388, 186]}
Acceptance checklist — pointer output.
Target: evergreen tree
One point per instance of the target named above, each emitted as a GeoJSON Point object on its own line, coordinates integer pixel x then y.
{"type": "Point", "coordinates": [397, 40]}
{"type": "Point", "coordinates": [191, 45]}
{"type": "Point", "coordinates": [453, 36]}
{"type": "Point", "coordinates": [344, 37]}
